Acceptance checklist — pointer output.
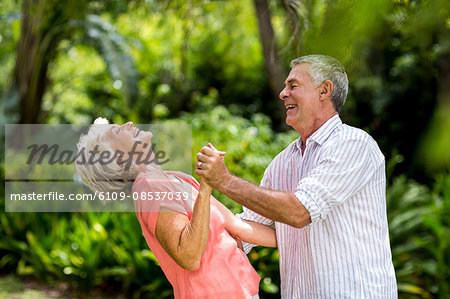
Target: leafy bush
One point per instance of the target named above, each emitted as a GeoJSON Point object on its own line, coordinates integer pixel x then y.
{"type": "Point", "coordinates": [84, 249]}
{"type": "Point", "coordinates": [419, 228]}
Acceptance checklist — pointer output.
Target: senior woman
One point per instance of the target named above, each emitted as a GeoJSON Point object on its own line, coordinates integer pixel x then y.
{"type": "Point", "coordinates": [194, 246]}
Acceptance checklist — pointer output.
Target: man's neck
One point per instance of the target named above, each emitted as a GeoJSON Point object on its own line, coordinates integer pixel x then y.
{"type": "Point", "coordinates": [313, 128]}
{"type": "Point", "coordinates": [303, 147]}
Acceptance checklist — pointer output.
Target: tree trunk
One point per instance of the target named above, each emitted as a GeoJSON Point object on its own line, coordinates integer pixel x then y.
{"type": "Point", "coordinates": [44, 24]}
{"type": "Point", "coordinates": [30, 73]}
{"type": "Point", "coordinates": [275, 71]}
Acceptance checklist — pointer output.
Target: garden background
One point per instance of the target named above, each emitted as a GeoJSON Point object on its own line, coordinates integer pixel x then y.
{"type": "Point", "coordinates": [219, 66]}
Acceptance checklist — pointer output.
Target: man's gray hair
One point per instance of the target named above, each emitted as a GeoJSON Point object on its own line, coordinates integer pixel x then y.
{"type": "Point", "coordinates": [327, 68]}
{"type": "Point", "coordinates": [101, 177]}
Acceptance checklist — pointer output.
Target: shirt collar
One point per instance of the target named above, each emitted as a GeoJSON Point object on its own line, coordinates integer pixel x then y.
{"type": "Point", "coordinates": [322, 133]}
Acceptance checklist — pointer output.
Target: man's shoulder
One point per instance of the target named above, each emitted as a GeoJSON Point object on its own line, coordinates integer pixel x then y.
{"type": "Point", "coordinates": [347, 133]}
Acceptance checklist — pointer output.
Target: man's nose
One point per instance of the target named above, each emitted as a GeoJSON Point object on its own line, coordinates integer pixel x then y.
{"type": "Point", "coordinates": [283, 94]}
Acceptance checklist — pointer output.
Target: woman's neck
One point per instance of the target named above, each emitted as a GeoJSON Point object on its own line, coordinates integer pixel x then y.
{"type": "Point", "coordinates": [150, 168]}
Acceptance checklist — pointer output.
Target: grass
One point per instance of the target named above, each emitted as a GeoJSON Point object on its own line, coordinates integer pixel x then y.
{"type": "Point", "coordinates": [13, 288]}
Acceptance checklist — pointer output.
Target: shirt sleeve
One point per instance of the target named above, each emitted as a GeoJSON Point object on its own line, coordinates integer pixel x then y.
{"type": "Point", "coordinates": [249, 215]}
{"type": "Point", "coordinates": [342, 171]}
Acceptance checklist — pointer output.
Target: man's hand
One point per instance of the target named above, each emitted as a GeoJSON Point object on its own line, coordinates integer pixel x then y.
{"type": "Point", "coordinates": [210, 165]}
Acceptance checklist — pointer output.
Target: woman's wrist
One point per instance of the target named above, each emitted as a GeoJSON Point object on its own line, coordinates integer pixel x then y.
{"type": "Point", "coordinates": [204, 188]}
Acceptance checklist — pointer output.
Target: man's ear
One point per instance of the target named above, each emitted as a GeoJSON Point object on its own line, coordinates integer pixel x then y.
{"type": "Point", "coordinates": [326, 89]}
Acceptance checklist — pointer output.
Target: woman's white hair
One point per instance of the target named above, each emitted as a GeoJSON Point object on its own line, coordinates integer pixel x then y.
{"type": "Point", "coordinates": [101, 177]}
{"type": "Point", "coordinates": [323, 68]}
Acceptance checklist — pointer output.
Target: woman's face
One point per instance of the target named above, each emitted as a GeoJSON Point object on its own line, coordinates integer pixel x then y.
{"type": "Point", "coordinates": [125, 137]}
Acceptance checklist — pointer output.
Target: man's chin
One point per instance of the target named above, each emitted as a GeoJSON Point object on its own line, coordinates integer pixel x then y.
{"type": "Point", "coordinates": [289, 121]}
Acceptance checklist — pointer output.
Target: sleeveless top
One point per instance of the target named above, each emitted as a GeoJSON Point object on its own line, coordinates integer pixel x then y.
{"type": "Point", "coordinates": [225, 271]}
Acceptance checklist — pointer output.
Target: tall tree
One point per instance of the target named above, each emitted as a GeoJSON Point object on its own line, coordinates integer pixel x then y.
{"type": "Point", "coordinates": [43, 26]}
{"type": "Point", "coordinates": [45, 23]}
{"type": "Point", "coordinates": [275, 69]}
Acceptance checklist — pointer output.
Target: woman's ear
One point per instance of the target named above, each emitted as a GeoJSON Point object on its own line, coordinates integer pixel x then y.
{"type": "Point", "coordinates": [326, 89]}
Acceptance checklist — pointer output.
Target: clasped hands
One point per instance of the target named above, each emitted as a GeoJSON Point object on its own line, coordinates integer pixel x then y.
{"type": "Point", "coordinates": [210, 166]}
{"type": "Point", "coordinates": [211, 169]}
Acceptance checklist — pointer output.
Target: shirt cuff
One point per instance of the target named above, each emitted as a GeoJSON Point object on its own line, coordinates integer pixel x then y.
{"type": "Point", "coordinates": [313, 207]}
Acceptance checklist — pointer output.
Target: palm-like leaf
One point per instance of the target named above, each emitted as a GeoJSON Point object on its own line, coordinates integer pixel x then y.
{"type": "Point", "coordinates": [114, 49]}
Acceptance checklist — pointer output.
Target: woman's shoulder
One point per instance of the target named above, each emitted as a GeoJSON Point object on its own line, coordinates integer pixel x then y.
{"type": "Point", "coordinates": [154, 191]}
{"type": "Point", "coordinates": [150, 175]}
{"type": "Point", "coordinates": [179, 174]}
{"type": "Point", "coordinates": [152, 181]}
{"type": "Point", "coordinates": [183, 177]}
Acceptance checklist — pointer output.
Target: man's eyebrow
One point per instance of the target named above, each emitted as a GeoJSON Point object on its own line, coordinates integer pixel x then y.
{"type": "Point", "coordinates": [289, 81]}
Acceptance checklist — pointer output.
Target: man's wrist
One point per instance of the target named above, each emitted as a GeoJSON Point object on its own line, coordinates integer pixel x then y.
{"type": "Point", "coordinates": [222, 185]}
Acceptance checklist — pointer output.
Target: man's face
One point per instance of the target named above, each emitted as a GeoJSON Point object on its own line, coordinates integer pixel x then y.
{"type": "Point", "coordinates": [301, 98]}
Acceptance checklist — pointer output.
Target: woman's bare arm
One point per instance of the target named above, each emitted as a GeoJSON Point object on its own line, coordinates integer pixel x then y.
{"type": "Point", "coordinates": [248, 231]}
{"type": "Point", "coordinates": [183, 239]}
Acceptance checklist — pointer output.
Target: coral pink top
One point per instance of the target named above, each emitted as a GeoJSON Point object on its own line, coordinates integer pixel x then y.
{"type": "Point", "coordinates": [225, 271]}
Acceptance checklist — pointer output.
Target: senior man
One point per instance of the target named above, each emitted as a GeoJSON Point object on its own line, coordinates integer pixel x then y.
{"type": "Point", "coordinates": [324, 193]}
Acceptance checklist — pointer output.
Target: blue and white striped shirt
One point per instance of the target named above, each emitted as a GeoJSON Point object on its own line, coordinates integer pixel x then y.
{"type": "Point", "coordinates": [344, 252]}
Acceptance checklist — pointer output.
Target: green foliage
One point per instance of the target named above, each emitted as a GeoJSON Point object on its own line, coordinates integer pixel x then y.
{"type": "Point", "coordinates": [181, 52]}
{"type": "Point", "coordinates": [9, 32]}
{"type": "Point", "coordinates": [85, 250]}
{"type": "Point", "coordinates": [158, 58]}
{"type": "Point", "coordinates": [114, 48]}
{"type": "Point", "coordinates": [100, 48]}
{"type": "Point", "coordinates": [396, 76]}
{"type": "Point", "coordinates": [12, 287]}
{"type": "Point", "coordinates": [89, 250]}
{"type": "Point", "coordinates": [433, 150]}
{"type": "Point", "coordinates": [152, 60]}
{"type": "Point", "coordinates": [396, 56]}
{"type": "Point", "coordinates": [419, 228]}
